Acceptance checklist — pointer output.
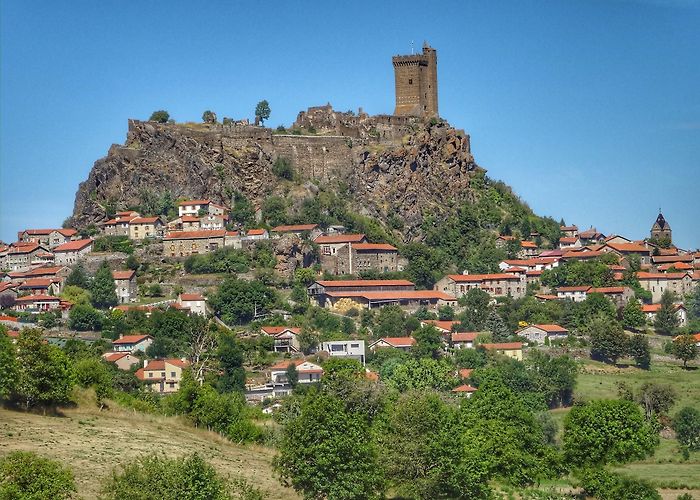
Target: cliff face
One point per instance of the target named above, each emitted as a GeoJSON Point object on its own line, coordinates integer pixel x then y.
{"type": "Point", "coordinates": [390, 169]}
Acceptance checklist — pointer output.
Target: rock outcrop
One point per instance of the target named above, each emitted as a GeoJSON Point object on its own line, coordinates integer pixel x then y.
{"type": "Point", "coordinates": [390, 166]}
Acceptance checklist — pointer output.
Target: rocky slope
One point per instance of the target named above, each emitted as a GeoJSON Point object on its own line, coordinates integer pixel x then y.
{"type": "Point", "coordinates": [403, 170]}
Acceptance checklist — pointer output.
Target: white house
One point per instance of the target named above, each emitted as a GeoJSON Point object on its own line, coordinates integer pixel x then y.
{"type": "Point", "coordinates": [307, 372]}
{"type": "Point", "coordinates": [192, 207]}
{"type": "Point", "coordinates": [286, 337]}
{"type": "Point", "coordinates": [538, 333]}
{"type": "Point", "coordinates": [463, 340]}
{"type": "Point", "coordinates": [650, 311]}
{"type": "Point", "coordinates": [354, 349]}
{"type": "Point", "coordinates": [122, 360]}
{"type": "Point", "coordinates": [402, 343]}
{"type": "Point", "coordinates": [575, 293]}
{"type": "Point", "coordinates": [194, 302]}
{"type": "Point", "coordinates": [132, 343]}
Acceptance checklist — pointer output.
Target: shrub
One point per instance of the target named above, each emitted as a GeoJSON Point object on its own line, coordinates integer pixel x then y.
{"type": "Point", "coordinates": [160, 116]}
{"type": "Point", "coordinates": [686, 423]}
{"type": "Point", "coordinates": [25, 475]}
{"type": "Point", "coordinates": [282, 168]}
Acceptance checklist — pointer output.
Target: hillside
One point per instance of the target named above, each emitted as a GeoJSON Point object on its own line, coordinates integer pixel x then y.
{"type": "Point", "coordinates": [399, 172]}
{"type": "Point", "coordinates": [92, 443]}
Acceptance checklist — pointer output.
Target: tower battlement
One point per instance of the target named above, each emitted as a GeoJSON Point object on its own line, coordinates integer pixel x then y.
{"type": "Point", "coordinates": [415, 78]}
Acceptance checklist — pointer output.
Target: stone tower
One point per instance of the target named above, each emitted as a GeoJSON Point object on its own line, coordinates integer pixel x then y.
{"type": "Point", "coordinates": [661, 229]}
{"type": "Point", "coordinates": [415, 78]}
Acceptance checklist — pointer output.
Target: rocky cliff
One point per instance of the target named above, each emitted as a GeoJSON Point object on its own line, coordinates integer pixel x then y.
{"type": "Point", "coordinates": [386, 169]}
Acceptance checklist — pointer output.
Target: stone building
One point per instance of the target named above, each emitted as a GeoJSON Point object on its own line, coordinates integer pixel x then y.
{"type": "Point", "coordinates": [496, 285]}
{"type": "Point", "coordinates": [358, 257]}
{"type": "Point", "coordinates": [661, 230]}
{"type": "Point", "coordinates": [415, 78]}
{"type": "Point", "coordinates": [186, 243]}
{"type": "Point", "coordinates": [125, 286]}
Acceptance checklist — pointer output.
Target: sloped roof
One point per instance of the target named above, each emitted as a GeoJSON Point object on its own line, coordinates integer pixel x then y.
{"type": "Point", "coordinates": [123, 275]}
{"type": "Point", "coordinates": [291, 228]}
{"type": "Point", "coordinates": [73, 246]}
{"type": "Point", "coordinates": [363, 283]}
{"type": "Point", "coordinates": [472, 278]}
{"type": "Point", "coordinates": [339, 238]}
{"type": "Point", "coordinates": [131, 339]}
{"type": "Point", "coordinates": [504, 346]}
{"type": "Point", "coordinates": [188, 235]}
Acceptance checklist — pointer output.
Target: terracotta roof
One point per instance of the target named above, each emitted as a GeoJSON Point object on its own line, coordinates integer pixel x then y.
{"type": "Point", "coordinates": [115, 356]}
{"type": "Point", "coordinates": [37, 232]}
{"type": "Point", "coordinates": [187, 235]}
{"type": "Point", "coordinates": [628, 247]}
{"type": "Point", "coordinates": [8, 318]}
{"type": "Point", "coordinates": [511, 270]}
{"type": "Point", "coordinates": [549, 328]}
{"type": "Point", "coordinates": [573, 288]}
{"type": "Point", "coordinates": [398, 341]}
{"type": "Point", "coordinates": [294, 228]}
{"type": "Point", "coordinates": [7, 286]}
{"type": "Point", "coordinates": [131, 339]}
{"type": "Point", "coordinates": [365, 283]}
{"type": "Point", "coordinates": [464, 388]}
{"type": "Point", "coordinates": [396, 295]}
{"type": "Point", "coordinates": [471, 278]}
{"type": "Point", "coordinates": [544, 296]}
{"type": "Point", "coordinates": [193, 202]}
{"type": "Point", "coordinates": [12, 333]}
{"type": "Point", "coordinates": [283, 365]}
{"type": "Point", "coordinates": [531, 262]}
{"type": "Point", "coordinates": [39, 282]}
{"type": "Point", "coordinates": [528, 244]}
{"type": "Point", "coordinates": [663, 259]}
{"type": "Point", "coordinates": [255, 232]}
{"type": "Point", "coordinates": [67, 232]}
{"type": "Point", "coordinates": [126, 213]}
{"type": "Point", "coordinates": [608, 289]}
{"type": "Point", "coordinates": [231, 233]}
{"type": "Point", "coordinates": [276, 330]}
{"type": "Point", "coordinates": [582, 255]}
{"type": "Point", "coordinates": [652, 308]}
{"type": "Point", "coordinates": [676, 265]}
{"type": "Point", "coordinates": [534, 273]}
{"type": "Point", "coordinates": [73, 246]}
{"type": "Point", "coordinates": [144, 220]}
{"type": "Point", "coordinates": [123, 275]}
{"type": "Point", "coordinates": [38, 298]}
{"type": "Point", "coordinates": [664, 276]}
{"type": "Point", "coordinates": [339, 238]}
{"type": "Point", "coordinates": [464, 336]}
{"type": "Point", "coordinates": [374, 246]}
{"type": "Point", "coordinates": [569, 239]}
{"type": "Point", "coordinates": [506, 237]}
{"type": "Point", "coordinates": [189, 218]}
{"type": "Point", "coordinates": [568, 228]}
{"type": "Point", "coordinates": [442, 325]}
{"type": "Point", "coordinates": [191, 297]}
{"type": "Point", "coordinates": [551, 253]}
{"type": "Point", "coordinates": [18, 248]}
{"type": "Point", "coordinates": [504, 346]}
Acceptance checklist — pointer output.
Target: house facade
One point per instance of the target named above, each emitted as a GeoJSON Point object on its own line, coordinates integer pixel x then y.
{"type": "Point", "coordinates": [141, 228]}
{"type": "Point", "coordinates": [353, 349]}
{"type": "Point", "coordinates": [195, 302]}
{"type": "Point", "coordinates": [657, 283]}
{"type": "Point", "coordinates": [132, 343]}
{"type": "Point", "coordinates": [400, 343]}
{"type": "Point", "coordinates": [511, 349]}
{"type": "Point", "coordinates": [71, 252]}
{"type": "Point", "coordinates": [186, 243]}
{"type": "Point", "coordinates": [162, 375]}
{"type": "Point", "coordinates": [285, 337]}
{"type": "Point", "coordinates": [496, 285]}
{"type": "Point", "coordinates": [358, 257]}
{"type": "Point", "coordinates": [37, 304]}
{"type": "Point", "coordinates": [125, 286]}
{"type": "Point", "coordinates": [540, 333]}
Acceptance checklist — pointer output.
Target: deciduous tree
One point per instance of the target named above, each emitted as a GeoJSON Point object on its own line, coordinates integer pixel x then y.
{"type": "Point", "coordinates": [666, 321]}
{"type": "Point", "coordinates": [25, 475]}
{"type": "Point", "coordinates": [102, 288]}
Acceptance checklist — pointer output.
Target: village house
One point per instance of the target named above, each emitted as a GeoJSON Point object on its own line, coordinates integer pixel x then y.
{"type": "Point", "coordinates": [8, 289]}
{"type": "Point", "coordinates": [193, 302]}
{"type": "Point", "coordinates": [358, 257]}
{"type": "Point", "coordinates": [119, 225]}
{"type": "Point", "coordinates": [569, 231]}
{"type": "Point", "coordinates": [528, 249]}
{"type": "Point", "coordinates": [185, 223]}
{"type": "Point", "coordinates": [41, 286]}
{"type": "Point", "coordinates": [122, 360]}
{"type": "Point", "coordinates": [535, 264]}
{"type": "Point", "coordinates": [125, 286]}
{"type": "Point", "coordinates": [71, 252]}
{"type": "Point", "coordinates": [627, 249]}
{"type": "Point", "coordinates": [353, 349]}
{"type": "Point", "coordinates": [400, 343]}
{"type": "Point", "coordinates": [410, 300]}
{"type": "Point", "coordinates": [195, 207]}
{"type": "Point", "coordinates": [591, 236]}
{"type": "Point", "coordinates": [22, 256]}
{"type": "Point", "coordinates": [329, 246]}
{"type": "Point", "coordinates": [318, 291]}
{"type": "Point", "coordinates": [186, 243]}
{"type": "Point", "coordinates": [575, 293]}
{"type": "Point", "coordinates": [162, 375]}
{"type": "Point", "coordinates": [496, 285]}
{"type": "Point", "coordinates": [49, 238]}
{"type": "Point", "coordinates": [307, 373]}
{"type": "Point", "coordinates": [285, 337]}
{"type": "Point", "coordinates": [211, 222]}
{"type": "Point", "coordinates": [256, 234]}
{"type": "Point", "coordinates": [465, 389]}
{"type": "Point", "coordinates": [619, 295]}
{"type": "Point", "coordinates": [569, 242]}
{"type": "Point", "coordinates": [581, 254]}
{"type": "Point", "coordinates": [463, 340]}
{"type": "Point", "coordinates": [650, 311]}
{"type": "Point", "coordinates": [132, 343]}
{"type": "Point", "coordinates": [657, 283]}
{"type": "Point", "coordinates": [541, 333]}
{"type": "Point", "coordinates": [510, 349]}
{"type": "Point", "coordinates": [503, 239]}
{"type": "Point", "coordinates": [300, 230]}
{"type": "Point", "coordinates": [141, 228]}
{"type": "Point", "coordinates": [37, 304]}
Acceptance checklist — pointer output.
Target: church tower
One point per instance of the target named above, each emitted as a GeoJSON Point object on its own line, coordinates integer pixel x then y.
{"type": "Point", "coordinates": [415, 78]}
{"type": "Point", "coordinates": [661, 229]}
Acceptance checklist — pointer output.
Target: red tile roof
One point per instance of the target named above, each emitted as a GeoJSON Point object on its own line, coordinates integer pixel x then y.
{"type": "Point", "coordinates": [374, 246]}
{"type": "Point", "coordinates": [652, 308]}
{"type": "Point", "coordinates": [569, 239]}
{"type": "Point", "coordinates": [582, 255]}
{"type": "Point", "coordinates": [464, 388]}
{"type": "Point", "coordinates": [608, 290]}
{"type": "Point", "coordinates": [255, 232]}
{"type": "Point", "coordinates": [73, 246]}
{"type": "Point", "coordinates": [188, 235]}
{"type": "Point", "coordinates": [131, 339]}
{"type": "Point", "coordinates": [193, 202]}
{"type": "Point", "coordinates": [676, 265]}
{"type": "Point", "coordinates": [283, 365]}
{"type": "Point", "coordinates": [465, 372]}
{"type": "Point", "coordinates": [144, 220]}
{"type": "Point", "coordinates": [37, 232]}
{"type": "Point", "coordinates": [294, 228]}
{"type": "Point", "coordinates": [115, 356]}
{"type": "Point", "coordinates": [544, 296]}
{"type": "Point", "coordinates": [191, 297]}
{"type": "Point", "coordinates": [365, 283]}
{"type": "Point", "coordinates": [21, 248]}
{"type": "Point", "coordinates": [339, 238]}
{"type": "Point", "coordinates": [568, 228]}
{"type": "Point", "coordinates": [38, 298]}
{"type": "Point", "coordinates": [504, 346]}
{"type": "Point", "coordinates": [573, 288]}
{"type": "Point", "coordinates": [528, 244]}
{"type": "Point", "coordinates": [472, 278]}
{"type": "Point", "coordinates": [123, 275]}
{"type": "Point", "coordinates": [663, 259]}
{"type": "Point", "coordinates": [442, 325]}
{"type": "Point", "coordinates": [464, 336]}
{"type": "Point", "coordinates": [549, 328]}
{"type": "Point", "coordinates": [628, 247]}
{"type": "Point", "coordinates": [398, 341]}
{"type": "Point", "coordinates": [189, 218]}
{"type": "Point", "coordinates": [396, 295]}
{"type": "Point", "coordinates": [39, 282]}
{"type": "Point", "coordinates": [663, 276]}
{"type": "Point", "coordinates": [276, 330]}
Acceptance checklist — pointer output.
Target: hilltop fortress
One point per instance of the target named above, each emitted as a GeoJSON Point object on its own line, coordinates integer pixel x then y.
{"type": "Point", "coordinates": [410, 156]}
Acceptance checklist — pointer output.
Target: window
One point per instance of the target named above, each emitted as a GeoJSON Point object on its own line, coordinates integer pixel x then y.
{"type": "Point", "coordinates": [354, 346]}
{"type": "Point", "coordinates": [162, 374]}
{"type": "Point", "coordinates": [337, 347]}
{"type": "Point", "coordinates": [410, 81]}
{"type": "Point", "coordinates": [172, 374]}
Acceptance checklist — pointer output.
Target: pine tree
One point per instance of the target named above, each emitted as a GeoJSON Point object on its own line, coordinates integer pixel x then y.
{"type": "Point", "coordinates": [103, 290]}
{"type": "Point", "coordinates": [632, 315]}
{"type": "Point", "coordinates": [666, 320]}
{"type": "Point", "coordinates": [497, 327]}
{"type": "Point", "coordinates": [693, 304]}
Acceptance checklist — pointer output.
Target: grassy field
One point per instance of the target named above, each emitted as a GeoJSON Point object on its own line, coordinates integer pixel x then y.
{"type": "Point", "coordinates": [666, 469]}
{"type": "Point", "coordinates": [94, 442]}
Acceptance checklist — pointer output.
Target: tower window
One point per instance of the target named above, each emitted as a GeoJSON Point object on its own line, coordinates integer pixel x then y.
{"type": "Point", "coordinates": [410, 81]}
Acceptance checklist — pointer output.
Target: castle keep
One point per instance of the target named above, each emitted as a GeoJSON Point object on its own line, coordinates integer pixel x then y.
{"type": "Point", "coordinates": [415, 78]}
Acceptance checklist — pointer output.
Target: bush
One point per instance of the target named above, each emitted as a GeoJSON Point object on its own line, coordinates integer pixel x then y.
{"type": "Point", "coordinates": [25, 475]}
{"type": "Point", "coordinates": [282, 168]}
{"type": "Point", "coordinates": [160, 116]}
{"type": "Point", "coordinates": [83, 317]}
{"type": "Point", "coordinates": [605, 485]}
{"type": "Point", "coordinates": [686, 423]}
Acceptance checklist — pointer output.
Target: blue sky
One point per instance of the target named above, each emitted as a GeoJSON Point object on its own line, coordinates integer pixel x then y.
{"type": "Point", "coordinates": [590, 110]}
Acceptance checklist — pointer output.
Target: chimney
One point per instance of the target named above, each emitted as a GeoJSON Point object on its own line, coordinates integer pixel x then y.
{"type": "Point", "coordinates": [121, 335]}
{"type": "Point", "coordinates": [145, 362]}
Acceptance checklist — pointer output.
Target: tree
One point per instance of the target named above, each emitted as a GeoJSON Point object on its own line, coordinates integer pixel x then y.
{"type": "Point", "coordinates": [429, 342]}
{"type": "Point", "coordinates": [656, 399]}
{"type": "Point", "coordinates": [102, 288]}
{"type": "Point", "coordinates": [476, 306]}
{"type": "Point", "coordinates": [607, 432]}
{"type": "Point", "coordinates": [418, 374]}
{"type": "Point", "coordinates": [92, 372]}
{"type": "Point", "coordinates": [230, 356]}
{"type": "Point", "coordinates": [78, 277]}
{"type": "Point", "coordinates": [209, 117]}
{"type": "Point", "coordinates": [497, 327]}
{"type": "Point", "coordinates": [25, 475]}
{"type": "Point", "coordinates": [237, 301]}
{"type": "Point", "coordinates": [686, 423]}
{"type": "Point", "coordinates": [84, 317]}
{"type": "Point", "coordinates": [132, 262]}
{"type": "Point", "coordinates": [262, 112]}
{"type": "Point", "coordinates": [608, 340]}
{"type": "Point", "coordinates": [638, 348]}
{"type": "Point", "coordinates": [187, 478]}
{"type": "Point", "coordinates": [601, 484]}
{"type": "Point", "coordinates": [283, 169]}
{"type": "Point", "coordinates": [7, 301]}
{"type": "Point", "coordinates": [326, 452]}
{"type": "Point", "coordinates": [685, 348]}
{"type": "Point", "coordinates": [632, 315]}
{"type": "Point", "coordinates": [160, 116]}
{"type": "Point", "coordinates": [693, 303]}
{"type": "Point", "coordinates": [446, 313]}
{"type": "Point", "coordinates": [292, 375]}
{"type": "Point", "coordinates": [8, 365]}
{"type": "Point", "coordinates": [76, 295]}
{"type": "Point", "coordinates": [44, 375]}
{"type": "Point", "coordinates": [666, 320]}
